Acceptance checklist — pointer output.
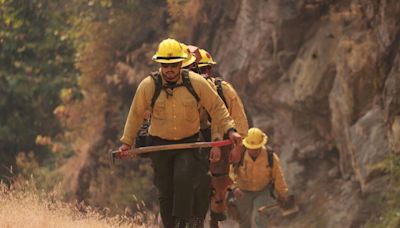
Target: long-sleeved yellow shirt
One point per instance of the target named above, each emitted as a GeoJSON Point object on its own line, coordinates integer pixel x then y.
{"type": "Point", "coordinates": [177, 116]}
{"type": "Point", "coordinates": [255, 175]}
{"type": "Point", "coordinates": [235, 108]}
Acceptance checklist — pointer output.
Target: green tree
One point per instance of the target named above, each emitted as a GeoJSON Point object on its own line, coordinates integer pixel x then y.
{"type": "Point", "coordinates": [36, 62]}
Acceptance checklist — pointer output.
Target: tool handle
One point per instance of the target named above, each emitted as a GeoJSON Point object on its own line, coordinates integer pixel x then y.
{"type": "Point", "coordinates": [221, 143]}
{"type": "Point", "coordinates": [264, 208]}
{"type": "Point", "coordinates": [149, 149]}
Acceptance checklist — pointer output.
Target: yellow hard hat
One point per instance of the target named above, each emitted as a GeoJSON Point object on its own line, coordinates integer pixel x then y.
{"type": "Point", "coordinates": [255, 138]}
{"type": "Point", "coordinates": [191, 58]}
{"type": "Point", "coordinates": [206, 59]}
{"type": "Point", "coordinates": [170, 51]}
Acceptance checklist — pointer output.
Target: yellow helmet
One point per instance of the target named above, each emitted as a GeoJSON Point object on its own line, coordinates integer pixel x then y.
{"type": "Point", "coordinates": [170, 51]}
{"type": "Point", "coordinates": [206, 59]}
{"type": "Point", "coordinates": [255, 138]}
{"type": "Point", "coordinates": [191, 58]}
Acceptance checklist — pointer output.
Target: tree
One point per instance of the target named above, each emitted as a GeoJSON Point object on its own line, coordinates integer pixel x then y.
{"type": "Point", "coordinates": [36, 62]}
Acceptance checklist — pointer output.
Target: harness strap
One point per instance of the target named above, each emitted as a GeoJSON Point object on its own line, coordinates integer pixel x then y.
{"type": "Point", "coordinates": [156, 76]}
{"type": "Point", "coordinates": [218, 84]}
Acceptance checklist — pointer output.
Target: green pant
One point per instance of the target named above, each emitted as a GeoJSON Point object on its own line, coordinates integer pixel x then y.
{"type": "Point", "coordinates": [174, 173]}
{"type": "Point", "coordinates": [202, 191]}
{"type": "Point", "coordinates": [248, 205]}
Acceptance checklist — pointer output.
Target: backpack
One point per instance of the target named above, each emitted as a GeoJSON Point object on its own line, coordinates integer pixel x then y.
{"type": "Point", "coordinates": [142, 136]}
{"type": "Point", "coordinates": [156, 76]}
{"type": "Point", "coordinates": [270, 157]}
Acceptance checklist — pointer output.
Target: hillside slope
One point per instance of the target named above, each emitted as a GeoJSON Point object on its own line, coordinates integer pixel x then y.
{"type": "Point", "coordinates": [321, 77]}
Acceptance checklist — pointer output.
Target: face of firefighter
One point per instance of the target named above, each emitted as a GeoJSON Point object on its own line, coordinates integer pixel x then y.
{"type": "Point", "coordinates": [171, 71]}
{"type": "Point", "coordinates": [254, 152]}
{"type": "Point", "coordinates": [206, 70]}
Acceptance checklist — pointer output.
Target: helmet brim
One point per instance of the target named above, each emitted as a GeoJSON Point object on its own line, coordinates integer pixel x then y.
{"type": "Point", "coordinates": [189, 61]}
{"type": "Point", "coordinates": [162, 59]}
{"type": "Point", "coordinates": [252, 146]}
{"type": "Point", "coordinates": [168, 60]}
{"type": "Point", "coordinates": [202, 64]}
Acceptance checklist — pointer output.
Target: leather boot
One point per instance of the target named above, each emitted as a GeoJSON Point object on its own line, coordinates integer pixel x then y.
{"type": "Point", "coordinates": [179, 223]}
{"type": "Point", "coordinates": [213, 223]}
{"type": "Point", "coordinates": [196, 222]}
{"type": "Point", "coordinates": [217, 216]}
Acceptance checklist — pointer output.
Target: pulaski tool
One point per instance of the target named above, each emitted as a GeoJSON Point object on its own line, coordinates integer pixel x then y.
{"type": "Point", "coordinates": [116, 154]}
{"type": "Point", "coordinates": [289, 208]}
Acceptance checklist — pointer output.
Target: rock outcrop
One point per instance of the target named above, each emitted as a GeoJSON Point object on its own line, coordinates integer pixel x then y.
{"type": "Point", "coordinates": [322, 78]}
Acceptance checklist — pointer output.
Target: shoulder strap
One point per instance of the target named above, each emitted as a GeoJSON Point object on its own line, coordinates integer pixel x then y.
{"type": "Point", "coordinates": [270, 154]}
{"type": "Point", "coordinates": [186, 82]}
{"type": "Point", "coordinates": [156, 76]}
{"type": "Point", "coordinates": [218, 84]}
{"type": "Point", "coordinates": [270, 157]}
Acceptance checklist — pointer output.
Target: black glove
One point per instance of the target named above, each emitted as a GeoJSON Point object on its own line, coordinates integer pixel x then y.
{"type": "Point", "coordinates": [287, 202]}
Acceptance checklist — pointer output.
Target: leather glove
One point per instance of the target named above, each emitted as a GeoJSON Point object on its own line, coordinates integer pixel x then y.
{"type": "Point", "coordinates": [286, 202]}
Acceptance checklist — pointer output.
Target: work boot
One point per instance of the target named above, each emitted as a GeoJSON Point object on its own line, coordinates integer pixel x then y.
{"type": "Point", "coordinates": [214, 223]}
{"type": "Point", "coordinates": [217, 216]}
{"type": "Point", "coordinates": [196, 222]}
{"type": "Point", "coordinates": [179, 223]}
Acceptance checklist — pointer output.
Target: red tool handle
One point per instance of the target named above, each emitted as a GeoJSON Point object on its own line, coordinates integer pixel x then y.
{"type": "Point", "coordinates": [148, 149]}
{"type": "Point", "coordinates": [221, 143]}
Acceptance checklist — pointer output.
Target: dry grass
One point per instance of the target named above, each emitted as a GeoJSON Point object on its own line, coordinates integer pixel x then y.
{"type": "Point", "coordinates": [24, 207]}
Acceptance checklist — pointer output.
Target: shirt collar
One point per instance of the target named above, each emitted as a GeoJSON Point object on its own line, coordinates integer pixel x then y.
{"type": "Point", "coordinates": [263, 154]}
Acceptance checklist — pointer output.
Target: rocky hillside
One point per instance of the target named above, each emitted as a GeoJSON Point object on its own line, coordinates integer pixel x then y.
{"type": "Point", "coordinates": [322, 78]}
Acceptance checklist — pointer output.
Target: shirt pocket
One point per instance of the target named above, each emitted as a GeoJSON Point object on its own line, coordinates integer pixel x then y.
{"type": "Point", "coordinates": [159, 111]}
{"type": "Point", "coordinates": [191, 111]}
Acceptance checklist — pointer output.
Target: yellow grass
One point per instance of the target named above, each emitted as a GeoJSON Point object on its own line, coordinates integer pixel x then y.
{"type": "Point", "coordinates": [21, 208]}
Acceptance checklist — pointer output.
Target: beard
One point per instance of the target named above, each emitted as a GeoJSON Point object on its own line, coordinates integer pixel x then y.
{"type": "Point", "coordinates": [171, 75]}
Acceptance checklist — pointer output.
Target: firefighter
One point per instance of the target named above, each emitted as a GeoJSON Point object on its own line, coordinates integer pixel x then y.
{"type": "Point", "coordinates": [191, 62]}
{"type": "Point", "coordinates": [173, 96]}
{"type": "Point", "coordinates": [257, 176]}
{"type": "Point", "coordinates": [226, 91]}
{"type": "Point", "coordinates": [220, 159]}
{"type": "Point", "coordinates": [202, 192]}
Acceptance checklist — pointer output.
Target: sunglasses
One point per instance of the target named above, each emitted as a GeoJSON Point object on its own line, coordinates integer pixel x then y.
{"type": "Point", "coordinates": [166, 65]}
